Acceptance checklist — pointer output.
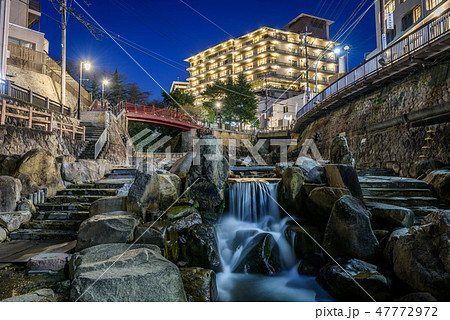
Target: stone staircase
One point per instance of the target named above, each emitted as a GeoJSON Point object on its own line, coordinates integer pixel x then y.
{"type": "Point", "coordinates": [93, 133]}
{"type": "Point", "coordinates": [61, 216]}
{"type": "Point", "coordinates": [416, 195]}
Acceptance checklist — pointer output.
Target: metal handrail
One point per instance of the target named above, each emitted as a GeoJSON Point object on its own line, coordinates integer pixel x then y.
{"type": "Point", "coordinates": [101, 143]}
{"type": "Point", "coordinates": [417, 40]}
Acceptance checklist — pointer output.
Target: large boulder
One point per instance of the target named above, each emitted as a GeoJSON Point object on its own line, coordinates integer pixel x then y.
{"type": "Point", "coordinates": [201, 249]}
{"type": "Point", "coordinates": [41, 295]}
{"type": "Point", "coordinates": [314, 172]}
{"type": "Point", "coordinates": [365, 274]}
{"type": "Point", "coordinates": [10, 190]}
{"type": "Point", "coordinates": [113, 227]}
{"type": "Point", "coordinates": [12, 221]}
{"type": "Point", "coordinates": [289, 187]}
{"type": "Point", "coordinates": [143, 197]}
{"type": "Point", "coordinates": [3, 234]}
{"type": "Point", "coordinates": [340, 152]}
{"type": "Point", "coordinates": [390, 244]}
{"type": "Point", "coordinates": [321, 201]}
{"type": "Point", "coordinates": [181, 168]}
{"type": "Point", "coordinates": [299, 238]}
{"type": "Point", "coordinates": [423, 167]}
{"type": "Point", "coordinates": [344, 176]}
{"type": "Point", "coordinates": [421, 257]}
{"type": "Point", "coordinates": [386, 216]}
{"type": "Point", "coordinates": [84, 171]}
{"type": "Point", "coordinates": [108, 204]}
{"type": "Point", "coordinates": [151, 233]}
{"type": "Point", "coordinates": [169, 189]}
{"type": "Point", "coordinates": [120, 272]}
{"type": "Point", "coordinates": [281, 166]}
{"type": "Point", "coordinates": [199, 284]}
{"type": "Point", "coordinates": [260, 255]}
{"type": "Point", "coordinates": [349, 232]}
{"type": "Point", "coordinates": [185, 223]}
{"type": "Point", "coordinates": [39, 169]}
{"type": "Point", "coordinates": [8, 164]}
{"type": "Point", "coordinates": [207, 178]}
{"type": "Point", "coordinates": [440, 180]}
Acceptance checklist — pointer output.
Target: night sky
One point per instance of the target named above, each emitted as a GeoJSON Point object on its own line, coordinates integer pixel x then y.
{"type": "Point", "coordinates": [172, 29]}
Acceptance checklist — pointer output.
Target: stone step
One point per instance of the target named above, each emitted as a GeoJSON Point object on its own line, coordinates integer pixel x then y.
{"type": "Point", "coordinates": [73, 225]}
{"type": "Point", "coordinates": [422, 211]}
{"type": "Point", "coordinates": [374, 172]}
{"type": "Point", "coordinates": [63, 207]}
{"type": "Point", "coordinates": [52, 215]}
{"type": "Point", "coordinates": [42, 234]}
{"type": "Point", "coordinates": [81, 186]}
{"type": "Point", "coordinates": [388, 192]}
{"type": "Point", "coordinates": [120, 176]}
{"type": "Point", "coordinates": [404, 201]}
{"type": "Point", "coordinates": [392, 183]}
{"type": "Point", "coordinates": [113, 183]}
{"type": "Point", "coordinates": [73, 199]}
{"type": "Point", "coordinates": [125, 171]}
{"type": "Point", "coordinates": [87, 192]}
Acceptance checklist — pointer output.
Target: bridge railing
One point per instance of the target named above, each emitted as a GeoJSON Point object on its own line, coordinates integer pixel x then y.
{"type": "Point", "coordinates": [431, 32]}
{"type": "Point", "coordinates": [164, 113]}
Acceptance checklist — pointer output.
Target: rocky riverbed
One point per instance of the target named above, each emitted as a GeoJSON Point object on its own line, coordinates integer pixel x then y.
{"type": "Point", "coordinates": [168, 235]}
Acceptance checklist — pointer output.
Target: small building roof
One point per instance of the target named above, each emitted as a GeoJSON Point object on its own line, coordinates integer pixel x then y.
{"type": "Point", "coordinates": [304, 15]}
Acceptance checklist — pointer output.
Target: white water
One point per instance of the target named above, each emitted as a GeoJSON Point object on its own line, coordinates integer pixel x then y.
{"type": "Point", "coordinates": [250, 212]}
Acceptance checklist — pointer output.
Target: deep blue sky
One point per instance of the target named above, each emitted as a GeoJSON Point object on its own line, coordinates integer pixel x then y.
{"type": "Point", "coordinates": [175, 31]}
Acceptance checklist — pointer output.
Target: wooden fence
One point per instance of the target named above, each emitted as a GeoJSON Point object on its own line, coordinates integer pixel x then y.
{"type": "Point", "coordinates": [33, 118]}
{"type": "Point", "coordinates": [26, 58]}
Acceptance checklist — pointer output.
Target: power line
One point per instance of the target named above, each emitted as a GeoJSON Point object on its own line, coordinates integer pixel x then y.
{"type": "Point", "coordinates": [133, 59]}
{"type": "Point", "coordinates": [206, 18]}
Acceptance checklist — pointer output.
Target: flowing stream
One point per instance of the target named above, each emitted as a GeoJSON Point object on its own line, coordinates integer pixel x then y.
{"type": "Point", "coordinates": [251, 211]}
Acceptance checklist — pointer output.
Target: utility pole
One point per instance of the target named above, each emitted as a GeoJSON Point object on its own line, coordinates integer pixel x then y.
{"type": "Point", "coordinates": [63, 52]}
{"type": "Point", "coordinates": [4, 32]}
{"type": "Point", "coordinates": [382, 25]}
{"type": "Point", "coordinates": [305, 37]}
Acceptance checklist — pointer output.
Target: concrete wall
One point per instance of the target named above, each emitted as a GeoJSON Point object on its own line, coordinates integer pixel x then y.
{"type": "Point", "coordinates": [22, 33]}
{"type": "Point", "coordinates": [365, 122]}
{"type": "Point", "coordinates": [19, 13]}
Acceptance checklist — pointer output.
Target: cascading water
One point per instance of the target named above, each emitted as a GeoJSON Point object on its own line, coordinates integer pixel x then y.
{"type": "Point", "coordinates": [252, 214]}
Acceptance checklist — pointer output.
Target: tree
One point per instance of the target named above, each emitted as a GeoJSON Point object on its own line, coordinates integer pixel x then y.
{"type": "Point", "coordinates": [94, 86]}
{"type": "Point", "coordinates": [240, 102]}
{"type": "Point", "coordinates": [135, 94]}
{"type": "Point", "coordinates": [236, 100]}
{"type": "Point", "coordinates": [177, 99]}
{"type": "Point", "coordinates": [117, 88]}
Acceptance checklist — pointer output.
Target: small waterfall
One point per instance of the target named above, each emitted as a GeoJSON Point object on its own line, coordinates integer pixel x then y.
{"type": "Point", "coordinates": [251, 210]}
{"type": "Point", "coordinates": [252, 202]}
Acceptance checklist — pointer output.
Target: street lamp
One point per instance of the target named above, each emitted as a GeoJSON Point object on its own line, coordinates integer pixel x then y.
{"type": "Point", "coordinates": [104, 84]}
{"type": "Point", "coordinates": [86, 65]}
{"type": "Point", "coordinates": [347, 49]}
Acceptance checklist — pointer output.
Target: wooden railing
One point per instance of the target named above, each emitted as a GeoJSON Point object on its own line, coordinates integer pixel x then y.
{"type": "Point", "coordinates": [26, 58]}
{"type": "Point", "coordinates": [27, 95]}
{"type": "Point", "coordinates": [33, 118]}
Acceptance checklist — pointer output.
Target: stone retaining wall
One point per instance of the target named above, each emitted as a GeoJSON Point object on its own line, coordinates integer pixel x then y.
{"type": "Point", "coordinates": [401, 143]}
{"type": "Point", "coordinates": [18, 141]}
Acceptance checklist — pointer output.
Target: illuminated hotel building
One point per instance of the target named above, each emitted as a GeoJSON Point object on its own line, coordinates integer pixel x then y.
{"type": "Point", "coordinates": [271, 59]}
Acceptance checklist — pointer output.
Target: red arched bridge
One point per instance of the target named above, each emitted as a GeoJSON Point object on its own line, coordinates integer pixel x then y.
{"type": "Point", "coordinates": [161, 116]}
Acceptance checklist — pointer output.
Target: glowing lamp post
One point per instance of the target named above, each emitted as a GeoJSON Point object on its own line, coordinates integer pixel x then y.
{"type": "Point", "coordinates": [86, 65]}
